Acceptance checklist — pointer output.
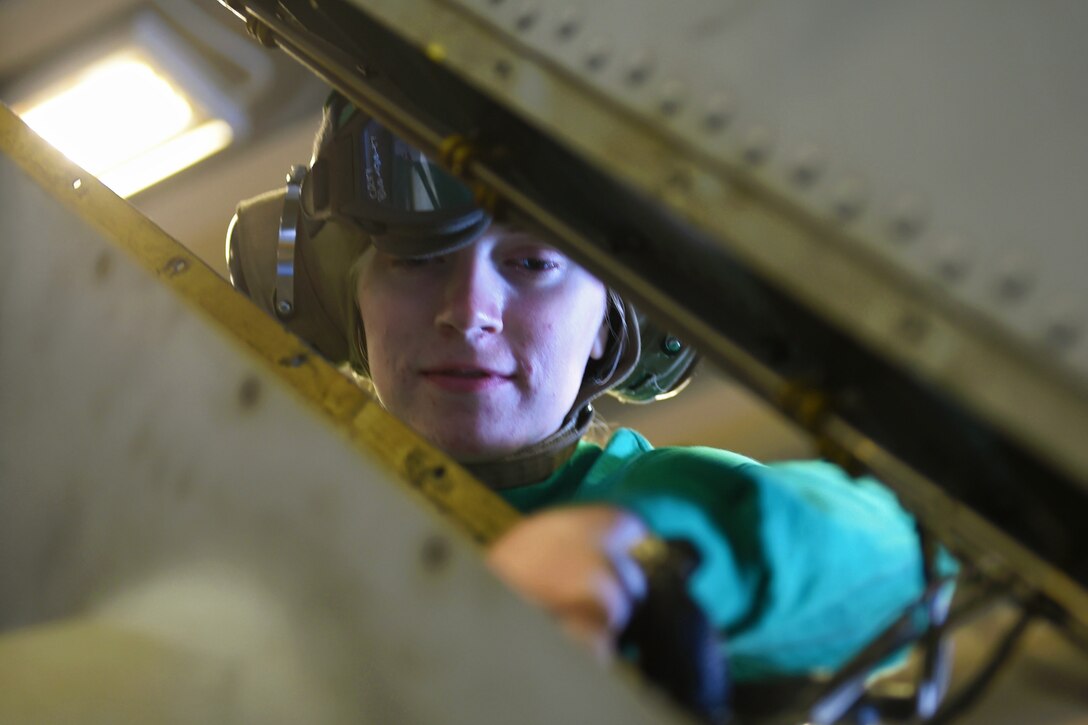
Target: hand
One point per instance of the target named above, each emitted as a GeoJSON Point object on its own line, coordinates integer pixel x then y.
{"type": "Point", "coordinates": [575, 562]}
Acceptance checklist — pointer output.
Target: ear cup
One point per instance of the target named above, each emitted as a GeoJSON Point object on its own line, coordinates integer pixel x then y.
{"type": "Point", "coordinates": [320, 312]}
{"type": "Point", "coordinates": [251, 247]}
{"type": "Point", "coordinates": [665, 365]}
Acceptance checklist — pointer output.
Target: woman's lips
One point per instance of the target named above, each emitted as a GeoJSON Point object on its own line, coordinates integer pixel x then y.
{"type": "Point", "coordinates": [465, 380]}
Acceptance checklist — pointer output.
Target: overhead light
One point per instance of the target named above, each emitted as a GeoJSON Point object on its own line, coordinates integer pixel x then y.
{"type": "Point", "coordinates": [140, 110]}
{"type": "Point", "coordinates": [125, 123]}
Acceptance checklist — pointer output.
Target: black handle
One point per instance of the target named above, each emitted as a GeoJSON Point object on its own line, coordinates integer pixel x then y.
{"type": "Point", "coordinates": [671, 640]}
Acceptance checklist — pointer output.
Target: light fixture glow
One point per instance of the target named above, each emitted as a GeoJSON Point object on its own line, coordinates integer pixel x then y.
{"type": "Point", "coordinates": [126, 124]}
{"type": "Point", "coordinates": [168, 158]}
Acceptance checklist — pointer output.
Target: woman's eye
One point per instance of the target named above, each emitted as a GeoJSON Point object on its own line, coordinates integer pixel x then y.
{"type": "Point", "coordinates": [535, 264]}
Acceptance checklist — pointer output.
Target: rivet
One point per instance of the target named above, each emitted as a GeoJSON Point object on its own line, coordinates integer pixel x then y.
{"type": "Point", "coordinates": [1061, 334]}
{"type": "Point", "coordinates": [718, 112]}
{"type": "Point", "coordinates": [1014, 280]}
{"type": "Point", "coordinates": [435, 553]}
{"type": "Point", "coordinates": [526, 18]}
{"type": "Point", "coordinates": [908, 217]}
{"type": "Point", "coordinates": [671, 345]}
{"type": "Point", "coordinates": [756, 145]}
{"type": "Point", "coordinates": [950, 259]}
{"type": "Point", "coordinates": [503, 68]}
{"type": "Point", "coordinates": [639, 67]}
{"type": "Point", "coordinates": [807, 165]}
{"type": "Point", "coordinates": [597, 53]}
{"type": "Point", "coordinates": [284, 308]}
{"type": "Point", "coordinates": [1062, 327]}
{"type": "Point", "coordinates": [568, 26]}
{"type": "Point", "coordinates": [671, 97]}
{"type": "Point", "coordinates": [294, 361]}
{"type": "Point", "coordinates": [175, 266]}
{"type": "Point", "coordinates": [249, 392]}
{"type": "Point", "coordinates": [848, 197]}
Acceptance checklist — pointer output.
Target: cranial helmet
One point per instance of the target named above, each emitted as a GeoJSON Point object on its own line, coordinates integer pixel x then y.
{"type": "Point", "coordinates": [294, 252]}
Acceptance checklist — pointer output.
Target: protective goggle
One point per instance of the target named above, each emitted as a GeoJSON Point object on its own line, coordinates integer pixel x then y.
{"type": "Point", "coordinates": [406, 203]}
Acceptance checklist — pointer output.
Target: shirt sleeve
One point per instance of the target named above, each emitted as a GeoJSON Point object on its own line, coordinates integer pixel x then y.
{"type": "Point", "coordinates": [801, 564]}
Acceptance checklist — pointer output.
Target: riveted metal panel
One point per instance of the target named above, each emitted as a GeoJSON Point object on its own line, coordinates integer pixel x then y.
{"type": "Point", "coordinates": [945, 137]}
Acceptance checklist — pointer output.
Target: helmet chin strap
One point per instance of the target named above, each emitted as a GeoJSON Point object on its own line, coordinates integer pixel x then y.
{"type": "Point", "coordinates": [536, 462]}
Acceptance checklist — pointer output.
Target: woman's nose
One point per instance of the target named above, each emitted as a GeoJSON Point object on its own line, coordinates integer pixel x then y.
{"type": "Point", "coordinates": [473, 299]}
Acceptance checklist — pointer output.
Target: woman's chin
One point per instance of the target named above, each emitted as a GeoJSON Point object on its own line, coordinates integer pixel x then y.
{"type": "Point", "coordinates": [474, 448]}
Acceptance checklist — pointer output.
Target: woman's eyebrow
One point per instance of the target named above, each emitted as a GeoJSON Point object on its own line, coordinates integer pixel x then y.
{"type": "Point", "coordinates": [520, 227]}
{"type": "Point", "coordinates": [528, 245]}
{"type": "Point", "coordinates": [522, 234]}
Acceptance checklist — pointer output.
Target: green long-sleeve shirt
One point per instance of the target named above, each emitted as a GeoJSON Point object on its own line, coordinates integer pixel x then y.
{"type": "Point", "coordinates": [801, 565]}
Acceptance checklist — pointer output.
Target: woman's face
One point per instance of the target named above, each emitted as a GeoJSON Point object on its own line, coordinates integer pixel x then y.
{"type": "Point", "coordinates": [481, 351]}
